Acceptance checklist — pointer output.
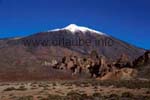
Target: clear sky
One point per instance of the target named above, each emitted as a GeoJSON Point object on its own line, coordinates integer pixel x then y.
{"type": "Point", "coordinates": [128, 20]}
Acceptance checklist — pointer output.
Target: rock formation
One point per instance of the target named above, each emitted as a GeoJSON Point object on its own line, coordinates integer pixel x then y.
{"type": "Point", "coordinates": [120, 74]}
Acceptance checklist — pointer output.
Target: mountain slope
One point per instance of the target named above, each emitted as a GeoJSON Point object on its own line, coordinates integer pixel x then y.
{"type": "Point", "coordinates": [25, 56]}
{"type": "Point", "coordinates": [85, 40]}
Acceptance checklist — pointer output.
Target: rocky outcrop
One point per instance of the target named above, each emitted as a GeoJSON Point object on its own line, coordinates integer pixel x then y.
{"type": "Point", "coordinates": [121, 74]}
{"type": "Point", "coordinates": [142, 60]}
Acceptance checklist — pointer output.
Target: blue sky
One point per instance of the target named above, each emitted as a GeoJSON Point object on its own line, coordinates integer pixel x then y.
{"type": "Point", "coordinates": [128, 20]}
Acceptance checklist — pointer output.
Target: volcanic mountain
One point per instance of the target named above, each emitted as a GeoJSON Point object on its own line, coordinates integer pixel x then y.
{"type": "Point", "coordinates": [81, 40]}
{"type": "Point", "coordinates": [26, 54]}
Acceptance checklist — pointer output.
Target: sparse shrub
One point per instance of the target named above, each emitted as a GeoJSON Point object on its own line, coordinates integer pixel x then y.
{"type": "Point", "coordinates": [33, 85]}
{"type": "Point", "coordinates": [26, 98]}
{"type": "Point", "coordinates": [148, 92]}
{"type": "Point", "coordinates": [97, 95]}
{"type": "Point", "coordinates": [11, 94]}
{"type": "Point", "coordinates": [147, 97]}
{"type": "Point", "coordinates": [43, 85]}
{"type": "Point", "coordinates": [54, 84]}
{"type": "Point", "coordinates": [114, 97]}
{"type": "Point", "coordinates": [86, 85]}
{"type": "Point", "coordinates": [10, 89]}
{"type": "Point", "coordinates": [41, 98]}
{"type": "Point", "coordinates": [54, 97]}
{"type": "Point", "coordinates": [84, 95]}
{"type": "Point", "coordinates": [74, 96]}
{"type": "Point", "coordinates": [13, 97]}
{"type": "Point", "coordinates": [22, 88]}
{"type": "Point", "coordinates": [127, 94]}
{"type": "Point", "coordinates": [70, 88]}
{"type": "Point", "coordinates": [33, 88]}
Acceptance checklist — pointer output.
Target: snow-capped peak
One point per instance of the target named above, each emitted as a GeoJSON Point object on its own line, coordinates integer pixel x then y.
{"type": "Point", "coordinates": [75, 28]}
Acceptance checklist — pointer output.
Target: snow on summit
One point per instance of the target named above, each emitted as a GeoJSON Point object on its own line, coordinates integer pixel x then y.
{"type": "Point", "coordinates": [74, 28]}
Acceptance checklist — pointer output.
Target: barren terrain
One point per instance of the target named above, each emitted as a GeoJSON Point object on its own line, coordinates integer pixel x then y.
{"type": "Point", "coordinates": [75, 90]}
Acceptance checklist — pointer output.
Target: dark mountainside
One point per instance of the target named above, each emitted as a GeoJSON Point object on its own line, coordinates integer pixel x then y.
{"type": "Point", "coordinates": [30, 58]}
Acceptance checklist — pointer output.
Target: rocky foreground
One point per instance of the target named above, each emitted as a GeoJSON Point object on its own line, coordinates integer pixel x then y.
{"type": "Point", "coordinates": [76, 90]}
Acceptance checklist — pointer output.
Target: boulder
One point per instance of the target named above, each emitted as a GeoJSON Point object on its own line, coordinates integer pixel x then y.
{"type": "Point", "coordinates": [120, 74]}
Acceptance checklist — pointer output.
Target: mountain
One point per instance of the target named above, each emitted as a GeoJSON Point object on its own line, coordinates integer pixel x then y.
{"type": "Point", "coordinates": [83, 40]}
{"type": "Point", "coordinates": [22, 58]}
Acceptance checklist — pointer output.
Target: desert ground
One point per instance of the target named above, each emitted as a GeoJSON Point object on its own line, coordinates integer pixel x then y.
{"type": "Point", "coordinates": [76, 90]}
